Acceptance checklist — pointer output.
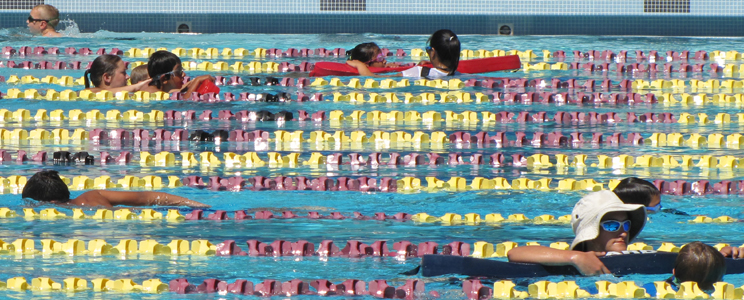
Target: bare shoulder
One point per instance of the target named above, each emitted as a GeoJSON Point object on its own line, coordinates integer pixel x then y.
{"type": "Point", "coordinates": [91, 198]}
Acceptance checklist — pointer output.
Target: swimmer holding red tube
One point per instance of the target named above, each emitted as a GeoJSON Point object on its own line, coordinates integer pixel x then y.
{"type": "Point", "coordinates": [47, 186]}
{"type": "Point", "coordinates": [443, 49]}
{"type": "Point", "coordinates": [167, 75]}
{"type": "Point", "coordinates": [367, 55]}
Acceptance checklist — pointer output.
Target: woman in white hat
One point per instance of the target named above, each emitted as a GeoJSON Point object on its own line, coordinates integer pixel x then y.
{"type": "Point", "coordinates": [601, 223]}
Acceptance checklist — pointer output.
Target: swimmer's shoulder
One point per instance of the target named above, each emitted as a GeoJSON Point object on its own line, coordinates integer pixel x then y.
{"type": "Point", "coordinates": [91, 198]}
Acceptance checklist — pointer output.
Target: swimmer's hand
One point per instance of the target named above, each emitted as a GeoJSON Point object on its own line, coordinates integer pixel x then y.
{"type": "Point", "coordinates": [588, 263]}
{"type": "Point", "coordinates": [733, 252]}
{"type": "Point", "coordinates": [392, 65]}
{"type": "Point", "coordinates": [192, 85]}
{"type": "Point", "coordinates": [423, 62]}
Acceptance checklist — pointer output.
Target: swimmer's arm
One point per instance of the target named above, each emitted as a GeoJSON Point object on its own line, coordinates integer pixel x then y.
{"type": "Point", "coordinates": [587, 263]}
{"type": "Point", "coordinates": [361, 67]}
{"type": "Point", "coordinates": [115, 198]}
{"type": "Point", "coordinates": [192, 85]}
{"type": "Point", "coordinates": [127, 88]}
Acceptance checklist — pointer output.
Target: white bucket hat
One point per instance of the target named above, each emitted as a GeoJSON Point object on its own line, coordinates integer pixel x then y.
{"type": "Point", "coordinates": [588, 213]}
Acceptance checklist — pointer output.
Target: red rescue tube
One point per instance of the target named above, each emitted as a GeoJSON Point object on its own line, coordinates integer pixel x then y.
{"type": "Point", "coordinates": [470, 66]}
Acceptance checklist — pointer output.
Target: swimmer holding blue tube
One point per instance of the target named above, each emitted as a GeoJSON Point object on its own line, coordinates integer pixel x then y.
{"type": "Point", "coordinates": [47, 186]}
{"type": "Point", "coordinates": [601, 222]}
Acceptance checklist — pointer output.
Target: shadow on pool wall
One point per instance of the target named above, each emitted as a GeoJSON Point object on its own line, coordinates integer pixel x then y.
{"type": "Point", "coordinates": [569, 17]}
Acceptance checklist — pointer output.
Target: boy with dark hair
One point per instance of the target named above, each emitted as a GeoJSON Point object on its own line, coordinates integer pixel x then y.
{"type": "Point", "coordinates": [633, 190]}
{"type": "Point", "coordinates": [47, 186]}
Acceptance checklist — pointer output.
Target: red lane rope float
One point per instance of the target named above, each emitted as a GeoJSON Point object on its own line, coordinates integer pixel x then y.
{"type": "Point", "coordinates": [352, 287]}
{"type": "Point", "coordinates": [378, 288]}
{"type": "Point", "coordinates": [608, 55]}
{"type": "Point", "coordinates": [463, 139]}
{"type": "Point", "coordinates": [472, 66]}
{"type": "Point", "coordinates": [352, 249]}
{"type": "Point", "coordinates": [388, 184]}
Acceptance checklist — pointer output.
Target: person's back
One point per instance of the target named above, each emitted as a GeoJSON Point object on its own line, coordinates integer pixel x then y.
{"type": "Point", "coordinates": [47, 186]}
{"type": "Point", "coordinates": [444, 54]}
{"type": "Point", "coordinates": [43, 19]}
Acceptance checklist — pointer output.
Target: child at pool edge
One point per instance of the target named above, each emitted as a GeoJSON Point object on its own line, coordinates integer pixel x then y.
{"type": "Point", "coordinates": [601, 222]}
{"type": "Point", "coordinates": [43, 19]}
{"type": "Point", "coordinates": [47, 186]}
{"type": "Point", "coordinates": [139, 74]}
{"type": "Point", "coordinates": [109, 73]}
{"type": "Point", "coordinates": [367, 55]}
{"type": "Point", "coordinates": [166, 72]}
{"type": "Point", "coordinates": [633, 190]}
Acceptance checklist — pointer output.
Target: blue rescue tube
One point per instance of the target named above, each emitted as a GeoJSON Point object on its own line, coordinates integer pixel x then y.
{"type": "Point", "coordinates": [630, 262]}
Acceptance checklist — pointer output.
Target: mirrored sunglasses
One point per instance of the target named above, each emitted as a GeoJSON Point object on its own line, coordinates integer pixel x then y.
{"type": "Point", "coordinates": [614, 225]}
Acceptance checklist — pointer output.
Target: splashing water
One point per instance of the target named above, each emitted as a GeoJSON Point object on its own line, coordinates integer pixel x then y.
{"type": "Point", "coordinates": [71, 28]}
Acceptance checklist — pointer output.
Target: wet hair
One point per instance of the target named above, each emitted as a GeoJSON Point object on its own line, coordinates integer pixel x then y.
{"type": "Point", "coordinates": [139, 74]}
{"type": "Point", "coordinates": [104, 64]}
{"type": "Point", "coordinates": [447, 45]}
{"type": "Point", "coordinates": [161, 62]}
{"type": "Point", "coordinates": [46, 186]}
{"type": "Point", "coordinates": [364, 52]}
{"type": "Point", "coordinates": [700, 263]}
{"type": "Point", "coordinates": [49, 13]}
{"type": "Point", "coordinates": [633, 190]}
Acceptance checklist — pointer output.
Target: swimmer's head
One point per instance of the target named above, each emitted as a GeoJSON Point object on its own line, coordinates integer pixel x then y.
{"type": "Point", "coordinates": [165, 70]}
{"type": "Point", "coordinates": [700, 263]}
{"type": "Point", "coordinates": [41, 17]}
{"type": "Point", "coordinates": [633, 190]}
{"type": "Point", "coordinates": [46, 186]}
{"type": "Point", "coordinates": [444, 49]}
{"type": "Point", "coordinates": [368, 53]}
{"type": "Point", "coordinates": [106, 71]}
{"type": "Point", "coordinates": [139, 74]}
{"type": "Point", "coordinates": [602, 222]}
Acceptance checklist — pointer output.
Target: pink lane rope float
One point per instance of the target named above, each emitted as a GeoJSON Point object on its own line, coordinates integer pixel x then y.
{"type": "Point", "coordinates": [352, 287]}
{"type": "Point", "coordinates": [352, 249]}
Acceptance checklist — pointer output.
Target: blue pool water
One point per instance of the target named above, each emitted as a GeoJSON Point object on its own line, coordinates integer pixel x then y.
{"type": "Point", "coordinates": [661, 227]}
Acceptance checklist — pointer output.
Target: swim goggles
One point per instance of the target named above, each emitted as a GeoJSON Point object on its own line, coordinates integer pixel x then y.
{"type": "Point", "coordinates": [380, 58]}
{"type": "Point", "coordinates": [178, 73]}
{"type": "Point", "coordinates": [31, 20]}
{"type": "Point", "coordinates": [156, 79]}
{"type": "Point", "coordinates": [654, 208]}
{"type": "Point", "coordinates": [614, 225]}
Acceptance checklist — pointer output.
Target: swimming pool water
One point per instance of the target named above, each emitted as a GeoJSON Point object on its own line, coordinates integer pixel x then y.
{"type": "Point", "coordinates": [661, 227]}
